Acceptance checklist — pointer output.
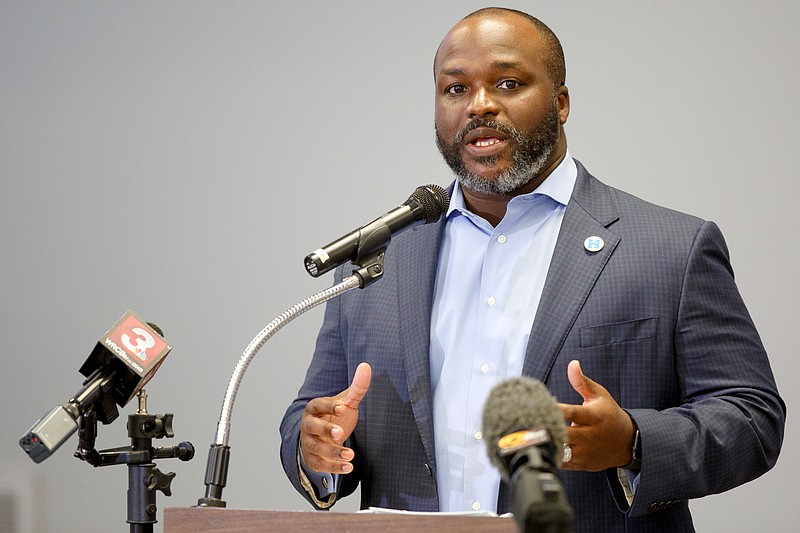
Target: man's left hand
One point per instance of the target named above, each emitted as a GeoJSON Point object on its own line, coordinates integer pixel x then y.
{"type": "Point", "coordinates": [600, 432]}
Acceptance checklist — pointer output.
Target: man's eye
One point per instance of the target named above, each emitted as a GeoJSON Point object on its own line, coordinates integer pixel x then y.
{"type": "Point", "coordinates": [509, 84]}
{"type": "Point", "coordinates": [456, 89]}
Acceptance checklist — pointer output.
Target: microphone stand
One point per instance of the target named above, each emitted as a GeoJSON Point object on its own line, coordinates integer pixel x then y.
{"type": "Point", "coordinates": [371, 250]}
{"type": "Point", "coordinates": [144, 479]}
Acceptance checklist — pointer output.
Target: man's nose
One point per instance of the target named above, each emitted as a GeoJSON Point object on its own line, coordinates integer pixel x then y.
{"type": "Point", "coordinates": [483, 104]}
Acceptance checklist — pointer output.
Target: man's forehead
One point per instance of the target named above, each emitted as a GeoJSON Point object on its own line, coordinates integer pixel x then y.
{"type": "Point", "coordinates": [493, 25]}
{"type": "Point", "coordinates": [505, 36]}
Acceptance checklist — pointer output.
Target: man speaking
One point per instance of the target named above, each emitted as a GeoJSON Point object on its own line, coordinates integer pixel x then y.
{"type": "Point", "coordinates": [628, 312]}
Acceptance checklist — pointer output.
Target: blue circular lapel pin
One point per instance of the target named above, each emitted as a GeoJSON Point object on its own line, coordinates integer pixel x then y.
{"type": "Point", "coordinates": [594, 244]}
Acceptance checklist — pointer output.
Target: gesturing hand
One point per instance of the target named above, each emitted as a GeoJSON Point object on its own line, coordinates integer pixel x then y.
{"type": "Point", "coordinates": [601, 433]}
{"type": "Point", "coordinates": [327, 422]}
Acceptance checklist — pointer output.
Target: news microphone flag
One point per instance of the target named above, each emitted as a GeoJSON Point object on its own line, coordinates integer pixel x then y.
{"type": "Point", "coordinates": [122, 362]}
{"type": "Point", "coordinates": [138, 345]}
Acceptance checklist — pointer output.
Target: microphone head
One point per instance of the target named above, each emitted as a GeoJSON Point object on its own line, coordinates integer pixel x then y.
{"type": "Point", "coordinates": [522, 405]}
{"type": "Point", "coordinates": [433, 200]}
{"type": "Point", "coordinates": [156, 328]}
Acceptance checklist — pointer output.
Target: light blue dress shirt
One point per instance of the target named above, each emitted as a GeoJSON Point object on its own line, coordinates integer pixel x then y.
{"type": "Point", "coordinates": [488, 285]}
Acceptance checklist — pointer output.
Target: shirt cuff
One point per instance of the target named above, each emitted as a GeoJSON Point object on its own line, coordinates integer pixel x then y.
{"type": "Point", "coordinates": [630, 483]}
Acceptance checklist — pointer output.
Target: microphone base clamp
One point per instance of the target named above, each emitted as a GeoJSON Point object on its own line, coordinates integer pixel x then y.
{"type": "Point", "coordinates": [219, 457]}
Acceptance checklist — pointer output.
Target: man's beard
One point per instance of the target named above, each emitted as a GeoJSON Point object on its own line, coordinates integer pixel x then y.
{"type": "Point", "coordinates": [531, 154]}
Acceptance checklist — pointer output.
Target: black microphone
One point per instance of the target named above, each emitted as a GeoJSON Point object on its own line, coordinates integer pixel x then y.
{"type": "Point", "coordinates": [425, 205]}
{"type": "Point", "coordinates": [123, 361]}
{"type": "Point", "coordinates": [524, 433]}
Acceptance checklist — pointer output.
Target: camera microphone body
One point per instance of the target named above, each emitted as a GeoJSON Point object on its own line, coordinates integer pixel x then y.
{"type": "Point", "coordinates": [122, 362]}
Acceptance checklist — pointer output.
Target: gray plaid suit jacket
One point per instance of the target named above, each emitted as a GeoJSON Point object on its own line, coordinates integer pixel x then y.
{"type": "Point", "coordinates": [655, 317]}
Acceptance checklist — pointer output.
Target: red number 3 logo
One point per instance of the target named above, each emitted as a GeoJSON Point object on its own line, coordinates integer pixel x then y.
{"type": "Point", "coordinates": [143, 341]}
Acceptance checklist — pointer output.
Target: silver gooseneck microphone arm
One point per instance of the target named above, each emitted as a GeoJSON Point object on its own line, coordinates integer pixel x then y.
{"type": "Point", "coordinates": [224, 424]}
{"type": "Point", "coordinates": [219, 454]}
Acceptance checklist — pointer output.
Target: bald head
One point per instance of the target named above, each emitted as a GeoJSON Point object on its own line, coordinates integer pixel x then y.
{"type": "Point", "coordinates": [552, 53]}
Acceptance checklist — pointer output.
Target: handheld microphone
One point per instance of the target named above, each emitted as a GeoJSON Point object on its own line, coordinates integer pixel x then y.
{"type": "Point", "coordinates": [122, 362]}
{"type": "Point", "coordinates": [425, 205]}
{"type": "Point", "coordinates": [524, 433]}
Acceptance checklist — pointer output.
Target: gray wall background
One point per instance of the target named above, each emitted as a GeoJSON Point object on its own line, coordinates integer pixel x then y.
{"type": "Point", "coordinates": [180, 159]}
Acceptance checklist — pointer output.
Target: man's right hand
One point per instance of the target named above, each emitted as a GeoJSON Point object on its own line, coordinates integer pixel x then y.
{"type": "Point", "coordinates": [328, 422]}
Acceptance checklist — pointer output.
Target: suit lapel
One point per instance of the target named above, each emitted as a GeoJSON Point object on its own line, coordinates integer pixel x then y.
{"type": "Point", "coordinates": [573, 271]}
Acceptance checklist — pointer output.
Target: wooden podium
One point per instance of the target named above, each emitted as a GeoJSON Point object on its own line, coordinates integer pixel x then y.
{"type": "Point", "coordinates": [202, 520]}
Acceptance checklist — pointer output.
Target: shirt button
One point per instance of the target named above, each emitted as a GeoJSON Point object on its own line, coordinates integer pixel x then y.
{"type": "Point", "coordinates": [484, 368]}
{"type": "Point", "coordinates": [501, 239]}
{"type": "Point", "coordinates": [478, 435]}
{"type": "Point", "coordinates": [476, 505]}
{"type": "Point", "coordinates": [491, 300]}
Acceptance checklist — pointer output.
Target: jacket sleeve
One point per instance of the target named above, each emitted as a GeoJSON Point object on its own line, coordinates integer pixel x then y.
{"type": "Point", "coordinates": [729, 428]}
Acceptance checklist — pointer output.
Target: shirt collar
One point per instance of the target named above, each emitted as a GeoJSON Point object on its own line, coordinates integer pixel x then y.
{"type": "Point", "coordinates": [558, 186]}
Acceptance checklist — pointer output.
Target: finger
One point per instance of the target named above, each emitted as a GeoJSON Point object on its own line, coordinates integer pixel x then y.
{"type": "Point", "coordinates": [321, 456]}
{"type": "Point", "coordinates": [320, 428]}
{"type": "Point", "coordinates": [325, 449]}
{"type": "Point", "coordinates": [569, 443]}
{"type": "Point", "coordinates": [584, 386]}
{"type": "Point", "coordinates": [359, 387]}
{"type": "Point", "coordinates": [321, 407]}
{"type": "Point", "coordinates": [329, 467]}
{"type": "Point", "coordinates": [577, 414]}
{"type": "Point", "coordinates": [567, 411]}
{"type": "Point", "coordinates": [575, 440]}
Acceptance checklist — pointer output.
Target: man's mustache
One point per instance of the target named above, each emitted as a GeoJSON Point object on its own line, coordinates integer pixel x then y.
{"type": "Point", "coordinates": [484, 123]}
